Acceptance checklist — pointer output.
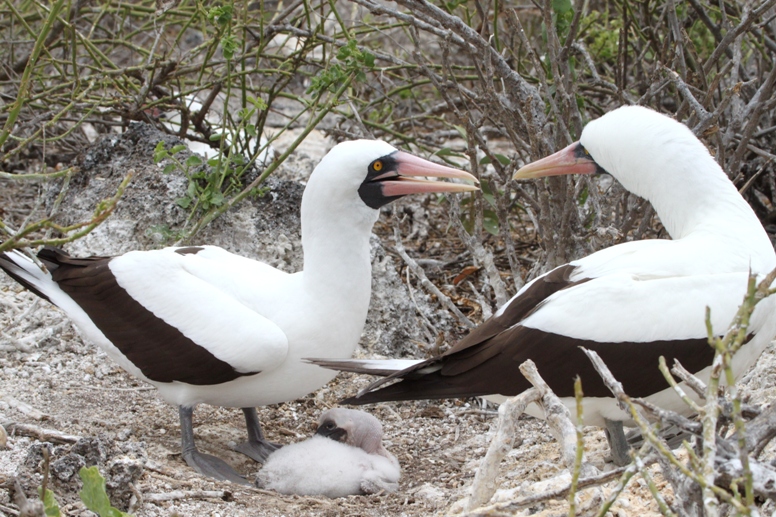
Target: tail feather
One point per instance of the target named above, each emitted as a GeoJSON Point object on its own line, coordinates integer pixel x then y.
{"type": "Point", "coordinates": [427, 386]}
{"type": "Point", "coordinates": [379, 367]}
{"type": "Point", "coordinates": [415, 380]}
{"type": "Point", "coordinates": [388, 369]}
{"type": "Point", "coordinates": [25, 271]}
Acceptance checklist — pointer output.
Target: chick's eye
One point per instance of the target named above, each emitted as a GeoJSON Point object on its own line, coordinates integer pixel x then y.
{"type": "Point", "coordinates": [330, 425]}
{"type": "Point", "coordinates": [377, 166]}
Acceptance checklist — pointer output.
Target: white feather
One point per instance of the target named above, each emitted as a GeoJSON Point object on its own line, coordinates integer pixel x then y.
{"type": "Point", "coordinates": [215, 313]}
{"type": "Point", "coordinates": [320, 466]}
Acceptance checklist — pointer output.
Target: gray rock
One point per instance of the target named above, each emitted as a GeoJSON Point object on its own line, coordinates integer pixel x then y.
{"type": "Point", "coordinates": [94, 450]}
{"type": "Point", "coordinates": [66, 467]}
{"type": "Point", "coordinates": [123, 471]}
{"type": "Point", "coordinates": [34, 458]}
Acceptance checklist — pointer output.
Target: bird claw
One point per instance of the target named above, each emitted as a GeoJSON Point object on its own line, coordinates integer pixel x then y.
{"type": "Point", "coordinates": [257, 450]}
{"type": "Point", "coordinates": [213, 467]}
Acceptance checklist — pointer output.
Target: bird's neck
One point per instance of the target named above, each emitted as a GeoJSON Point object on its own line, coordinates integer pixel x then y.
{"type": "Point", "coordinates": [703, 202]}
{"type": "Point", "coordinates": [337, 261]}
{"type": "Point", "coordinates": [686, 207]}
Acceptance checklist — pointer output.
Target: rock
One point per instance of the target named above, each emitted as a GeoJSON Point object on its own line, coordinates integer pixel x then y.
{"type": "Point", "coordinates": [34, 458]}
{"type": "Point", "coordinates": [66, 467]}
{"type": "Point", "coordinates": [123, 471]}
{"type": "Point", "coordinates": [94, 450]}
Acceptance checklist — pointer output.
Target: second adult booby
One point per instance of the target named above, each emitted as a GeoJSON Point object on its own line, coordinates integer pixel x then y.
{"type": "Point", "coordinates": [206, 326]}
{"type": "Point", "coordinates": [632, 302]}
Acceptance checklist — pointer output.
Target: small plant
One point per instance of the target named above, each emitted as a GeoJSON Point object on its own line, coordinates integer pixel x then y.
{"type": "Point", "coordinates": [352, 61]}
{"type": "Point", "coordinates": [94, 496]}
{"type": "Point", "coordinates": [50, 504]}
{"type": "Point", "coordinates": [195, 192]}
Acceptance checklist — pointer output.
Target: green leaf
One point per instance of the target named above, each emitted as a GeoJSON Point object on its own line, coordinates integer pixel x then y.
{"type": "Point", "coordinates": [214, 162]}
{"type": "Point", "coordinates": [177, 148]}
{"type": "Point", "coordinates": [93, 493]}
{"type": "Point", "coordinates": [564, 13]}
{"type": "Point", "coordinates": [258, 102]}
{"type": "Point", "coordinates": [503, 159]}
{"type": "Point", "coordinates": [160, 153]}
{"type": "Point", "coordinates": [183, 202]}
{"type": "Point", "coordinates": [445, 151]}
{"type": "Point", "coordinates": [169, 168]}
{"type": "Point", "coordinates": [251, 130]}
{"type": "Point", "coordinates": [50, 504]}
{"type": "Point", "coordinates": [244, 113]}
{"type": "Point", "coordinates": [193, 160]}
{"type": "Point", "coordinates": [229, 46]}
{"type": "Point", "coordinates": [583, 196]}
{"type": "Point", "coordinates": [487, 193]}
{"type": "Point", "coordinates": [461, 131]}
{"type": "Point", "coordinates": [259, 191]}
{"type": "Point", "coordinates": [191, 190]}
{"type": "Point", "coordinates": [348, 50]}
{"type": "Point", "coordinates": [220, 15]}
{"type": "Point", "coordinates": [485, 160]}
{"type": "Point", "coordinates": [562, 6]}
{"type": "Point", "coordinates": [490, 222]}
{"type": "Point", "coordinates": [216, 198]}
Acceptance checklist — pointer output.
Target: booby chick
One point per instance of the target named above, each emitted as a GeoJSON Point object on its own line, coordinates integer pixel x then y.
{"type": "Point", "coordinates": [206, 326]}
{"type": "Point", "coordinates": [345, 457]}
{"type": "Point", "coordinates": [631, 303]}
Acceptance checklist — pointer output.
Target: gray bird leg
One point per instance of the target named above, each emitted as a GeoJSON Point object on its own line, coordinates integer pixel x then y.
{"type": "Point", "coordinates": [205, 464]}
{"type": "Point", "coordinates": [617, 442]}
{"type": "Point", "coordinates": [257, 447]}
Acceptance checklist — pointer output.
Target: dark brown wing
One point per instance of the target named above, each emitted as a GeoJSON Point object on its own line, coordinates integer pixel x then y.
{"type": "Point", "coordinates": [159, 350]}
{"type": "Point", "coordinates": [486, 362]}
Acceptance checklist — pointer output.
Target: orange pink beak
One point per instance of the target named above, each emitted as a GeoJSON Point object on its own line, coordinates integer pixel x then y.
{"type": "Point", "coordinates": [404, 180]}
{"type": "Point", "coordinates": [573, 159]}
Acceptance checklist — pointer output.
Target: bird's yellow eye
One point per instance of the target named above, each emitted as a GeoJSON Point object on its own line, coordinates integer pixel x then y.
{"type": "Point", "coordinates": [377, 166]}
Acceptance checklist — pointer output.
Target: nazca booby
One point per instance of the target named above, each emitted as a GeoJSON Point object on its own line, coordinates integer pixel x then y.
{"type": "Point", "coordinates": [631, 303]}
{"type": "Point", "coordinates": [206, 326]}
{"type": "Point", "coordinates": [345, 457]}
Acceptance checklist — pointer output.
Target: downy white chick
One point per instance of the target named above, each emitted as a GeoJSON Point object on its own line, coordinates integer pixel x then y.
{"type": "Point", "coordinates": [345, 457]}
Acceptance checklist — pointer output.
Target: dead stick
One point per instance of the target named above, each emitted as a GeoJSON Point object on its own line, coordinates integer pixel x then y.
{"type": "Point", "coordinates": [177, 495]}
{"type": "Point", "coordinates": [42, 434]}
{"type": "Point", "coordinates": [484, 485]}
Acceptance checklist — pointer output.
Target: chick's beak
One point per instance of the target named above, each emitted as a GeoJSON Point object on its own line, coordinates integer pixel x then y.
{"type": "Point", "coordinates": [335, 433]}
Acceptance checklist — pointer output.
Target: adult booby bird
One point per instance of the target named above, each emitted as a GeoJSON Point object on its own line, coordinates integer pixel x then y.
{"type": "Point", "coordinates": [632, 302]}
{"type": "Point", "coordinates": [206, 326]}
{"type": "Point", "coordinates": [345, 457]}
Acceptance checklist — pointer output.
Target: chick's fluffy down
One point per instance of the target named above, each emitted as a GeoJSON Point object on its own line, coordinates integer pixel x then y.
{"type": "Point", "coordinates": [320, 466]}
